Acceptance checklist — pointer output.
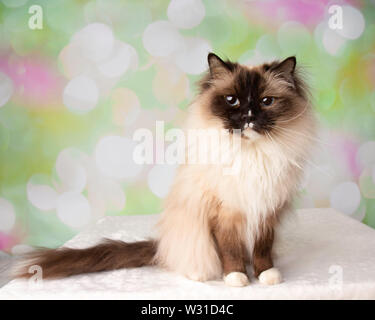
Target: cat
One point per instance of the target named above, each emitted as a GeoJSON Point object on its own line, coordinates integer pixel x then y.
{"type": "Point", "coordinates": [213, 225]}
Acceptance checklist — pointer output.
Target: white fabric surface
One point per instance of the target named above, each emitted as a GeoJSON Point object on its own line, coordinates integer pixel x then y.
{"type": "Point", "coordinates": [318, 242]}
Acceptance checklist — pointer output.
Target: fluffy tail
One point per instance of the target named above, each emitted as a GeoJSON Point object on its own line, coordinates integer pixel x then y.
{"type": "Point", "coordinates": [107, 255]}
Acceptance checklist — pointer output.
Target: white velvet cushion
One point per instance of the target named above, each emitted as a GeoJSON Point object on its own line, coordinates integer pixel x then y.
{"type": "Point", "coordinates": [322, 255]}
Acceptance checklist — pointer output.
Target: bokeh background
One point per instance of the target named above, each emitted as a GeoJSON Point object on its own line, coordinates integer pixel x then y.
{"type": "Point", "coordinates": [73, 92]}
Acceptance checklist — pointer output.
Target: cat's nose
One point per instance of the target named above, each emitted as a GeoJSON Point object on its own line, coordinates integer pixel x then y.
{"type": "Point", "coordinates": [246, 115]}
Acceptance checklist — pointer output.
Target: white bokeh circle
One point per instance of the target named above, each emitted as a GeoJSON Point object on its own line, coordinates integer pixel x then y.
{"type": "Point", "coordinates": [160, 179]}
{"type": "Point", "coordinates": [161, 39]}
{"type": "Point", "coordinates": [353, 23]}
{"type": "Point", "coordinates": [41, 196]}
{"type": "Point", "coordinates": [186, 14]}
{"type": "Point", "coordinates": [95, 41]}
{"type": "Point", "coordinates": [73, 209]}
{"type": "Point", "coordinates": [345, 197]}
{"type": "Point", "coordinates": [114, 157]}
{"type": "Point", "coordinates": [192, 58]}
{"type": "Point", "coordinates": [123, 58]}
{"type": "Point", "coordinates": [81, 94]}
{"type": "Point", "coordinates": [7, 215]}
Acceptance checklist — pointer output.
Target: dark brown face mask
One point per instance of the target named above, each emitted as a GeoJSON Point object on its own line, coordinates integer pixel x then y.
{"type": "Point", "coordinates": [258, 98]}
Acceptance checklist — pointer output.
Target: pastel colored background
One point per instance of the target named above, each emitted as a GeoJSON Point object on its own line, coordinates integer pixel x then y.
{"type": "Point", "coordinates": [72, 94]}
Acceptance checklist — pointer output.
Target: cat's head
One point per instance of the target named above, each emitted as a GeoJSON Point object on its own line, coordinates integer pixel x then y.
{"type": "Point", "coordinates": [256, 100]}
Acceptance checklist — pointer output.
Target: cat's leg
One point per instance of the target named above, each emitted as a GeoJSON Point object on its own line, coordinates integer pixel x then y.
{"type": "Point", "coordinates": [228, 238]}
{"type": "Point", "coordinates": [186, 246]}
{"type": "Point", "coordinates": [262, 260]}
{"type": "Point", "coordinates": [185, 242]}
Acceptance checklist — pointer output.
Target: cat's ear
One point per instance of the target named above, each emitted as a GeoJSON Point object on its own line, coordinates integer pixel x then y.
{"type": "Point", "coordinates": [217, 66]}
{"type": "Point", "coordinates": [286, 68]}
{"type": "Point", "coordinates": [288, 65]}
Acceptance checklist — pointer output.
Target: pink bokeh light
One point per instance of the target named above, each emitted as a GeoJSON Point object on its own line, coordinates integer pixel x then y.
{"type": "Point", "coordinates": [36, 83]}
{"type": "Point", "coordinates": [347, 148]}
{"type": "Point", "coordinates": [6, 241]}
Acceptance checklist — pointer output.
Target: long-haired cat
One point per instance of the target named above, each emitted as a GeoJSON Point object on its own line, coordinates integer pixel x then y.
{"type": "Point", "coordinates": [214, 224]}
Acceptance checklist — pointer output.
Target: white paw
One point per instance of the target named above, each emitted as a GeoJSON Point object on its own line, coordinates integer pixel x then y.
{"type": "Point", "coordinates": [236, 279]}
{"type": "Point", "coordinates": [270, 276]}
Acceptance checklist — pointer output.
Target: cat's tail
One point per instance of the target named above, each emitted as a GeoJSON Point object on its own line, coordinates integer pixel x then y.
{"type": "Point", "coordinates": [107, 255]}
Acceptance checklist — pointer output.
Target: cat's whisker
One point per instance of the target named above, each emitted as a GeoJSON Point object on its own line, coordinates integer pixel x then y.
{"type": "Point", "coordinates": [293, 131]}
{"type": "Point", "coordinates": [295, 117]}
{"type": "Point", "coordinates": [291, 137]}
{"type": "Point", "coordinates": [296, 164]}
{"type": "Point", "coordinates": [287, 130]}
{"type": "Point", "coordinates": [309, 162]}
{"type": "Point", "coordinates": [278, 148]}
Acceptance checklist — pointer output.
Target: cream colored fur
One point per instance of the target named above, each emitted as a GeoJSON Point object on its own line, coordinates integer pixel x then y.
{"type": "Point", "coordinates": [268, 177]}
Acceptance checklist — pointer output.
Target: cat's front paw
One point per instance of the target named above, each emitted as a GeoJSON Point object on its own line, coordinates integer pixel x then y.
{"type": "Point", "coordinates": [236, 279]}
{"type": "Point", "coordinates": [270, 276]}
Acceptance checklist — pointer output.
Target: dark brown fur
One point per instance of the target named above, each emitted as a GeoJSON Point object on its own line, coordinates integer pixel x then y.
{"type": "Point", "coordinates": [108, 255]}
{"type": "Point", "coordinates": [279, 80]}
{"type": "Point", "coordinates": [227, 231]}
{"type": "Point", "coordinates": [262, 251]}
{"type": "Point", "coordinates": [262, 259]}
{"type": "Point", "coordinates": [228, 235]}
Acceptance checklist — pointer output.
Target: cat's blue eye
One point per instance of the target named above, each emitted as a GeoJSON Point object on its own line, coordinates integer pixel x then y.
{"type": "Point", "coordinates": [232, 100]}
{"type": "Point", "coordinates": [267, 101]}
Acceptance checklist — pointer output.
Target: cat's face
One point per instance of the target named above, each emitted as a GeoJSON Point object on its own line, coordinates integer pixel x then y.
{"type": "Point", "coordinates": [257, 100]}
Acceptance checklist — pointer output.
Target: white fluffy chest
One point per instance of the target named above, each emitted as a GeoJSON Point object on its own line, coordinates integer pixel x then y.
{"type": "Point", "coordinates": [264, 181]}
